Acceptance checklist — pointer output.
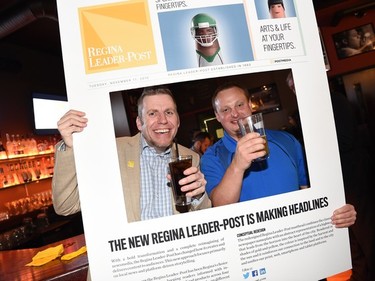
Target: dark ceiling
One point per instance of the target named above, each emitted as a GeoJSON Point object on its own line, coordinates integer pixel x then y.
{"type": "Point", "coordinates": [30, 23]}
{"type": "Point", "coordinates": [33, 23]}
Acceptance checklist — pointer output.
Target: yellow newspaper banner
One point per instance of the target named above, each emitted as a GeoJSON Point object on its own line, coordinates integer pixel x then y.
{"type": "Point", "coordinates": [117, 36]}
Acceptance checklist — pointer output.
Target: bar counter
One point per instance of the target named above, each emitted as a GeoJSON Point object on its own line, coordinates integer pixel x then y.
{"type": "Point", "coordinates": [13, 263]}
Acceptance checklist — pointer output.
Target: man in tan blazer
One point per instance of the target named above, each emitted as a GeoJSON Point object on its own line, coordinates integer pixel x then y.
{"type": "Point", "coordinates": [157, 122]}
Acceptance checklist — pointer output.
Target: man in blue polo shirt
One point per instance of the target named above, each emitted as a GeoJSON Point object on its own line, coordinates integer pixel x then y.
{"type": "Point", "coordinates": [228, 165]}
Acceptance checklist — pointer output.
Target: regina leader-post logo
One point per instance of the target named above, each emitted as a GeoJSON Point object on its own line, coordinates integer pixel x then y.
{"type": "Point", "coordinates": [117, 36]}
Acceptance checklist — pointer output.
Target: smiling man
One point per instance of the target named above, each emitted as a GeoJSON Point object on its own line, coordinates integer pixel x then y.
{"type": "Point", "coordinates": [143, 161]}
{"type": "Point", "coordinates": [232, 175]}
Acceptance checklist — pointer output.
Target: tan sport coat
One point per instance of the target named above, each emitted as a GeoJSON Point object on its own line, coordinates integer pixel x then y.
{"type": "Point", "coordinates": [65, 187]}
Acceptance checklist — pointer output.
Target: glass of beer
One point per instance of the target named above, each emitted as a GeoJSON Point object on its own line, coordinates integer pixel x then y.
{"type": "Point", "coordinates": [254, 124]}
{"type": "Point", "coordinates": [177, 166]}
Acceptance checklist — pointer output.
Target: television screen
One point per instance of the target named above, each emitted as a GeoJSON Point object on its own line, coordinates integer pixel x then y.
{"type": "Point", "coordinates": [47, 110]}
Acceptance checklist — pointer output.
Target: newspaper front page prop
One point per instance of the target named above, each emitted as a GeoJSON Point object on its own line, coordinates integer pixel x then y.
{"type": "Point", "coordinates": [111, 46]}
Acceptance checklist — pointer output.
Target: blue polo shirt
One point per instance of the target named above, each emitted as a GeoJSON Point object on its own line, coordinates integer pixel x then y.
{"type": "Point", "coordinates": [282, 172]}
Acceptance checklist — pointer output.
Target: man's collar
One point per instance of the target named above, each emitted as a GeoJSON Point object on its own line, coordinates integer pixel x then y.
{"type": "Point", "coordinates": [145, 145]}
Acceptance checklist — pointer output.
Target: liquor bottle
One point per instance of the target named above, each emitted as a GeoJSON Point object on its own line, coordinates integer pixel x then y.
{"type": "Point", "coordinates": [9, 146]}
{"type": "Point", "coordinates": [33, 146]}
{"type": "Point", "coordinates": [25, 148]}
{"type": "Point", "coordinates": [19, 145]}
{"type": "Point", "coordinates": [17, 173]}
{"type": "Point", "coordinates": [8, 178]}
{"type": "Point", "coordinates": [30, 171]}
{"type": "Point", "coordinates": [3, 179]}
{"type": "Point", "coordinates": [3, 152]}
{"type": "Point", "coordinates": [15, 180]}
{"type": "Point", "coordinates": [14, 146]}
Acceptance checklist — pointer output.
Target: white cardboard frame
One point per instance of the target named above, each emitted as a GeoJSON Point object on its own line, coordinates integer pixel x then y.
{"type": "Point", "coordinates": [302, 246]}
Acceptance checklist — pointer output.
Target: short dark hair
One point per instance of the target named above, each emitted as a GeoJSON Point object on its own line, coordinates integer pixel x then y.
{"type": "Point", "coordinates": [153, 91]}
{"type": "Point", "coordinates": [225, 86]}
{"type": "Point", "coordinates": [274, 2]}
{"type": "Point", "coordinates": [201, 136]}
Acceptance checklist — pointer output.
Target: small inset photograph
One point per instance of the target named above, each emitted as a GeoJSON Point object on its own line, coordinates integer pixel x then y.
{"type": "Point", "coordinates": [355, 41]}
{"type": "Point", "coordinates": [205, 37]}
{"type": "Point", "coordinates": [275, 9]}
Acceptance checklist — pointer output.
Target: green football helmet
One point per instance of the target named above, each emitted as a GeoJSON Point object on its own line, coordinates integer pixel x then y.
{"type": "Point", "coordinates": [204, 30]}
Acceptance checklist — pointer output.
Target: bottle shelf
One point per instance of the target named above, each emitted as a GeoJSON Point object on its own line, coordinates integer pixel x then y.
{"type": "Point", "coordinates": [26, 169]}
{"type": "Point", "coordinates": [24, 156]}
{"type": "Point", "coordinates": [23, 183]}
